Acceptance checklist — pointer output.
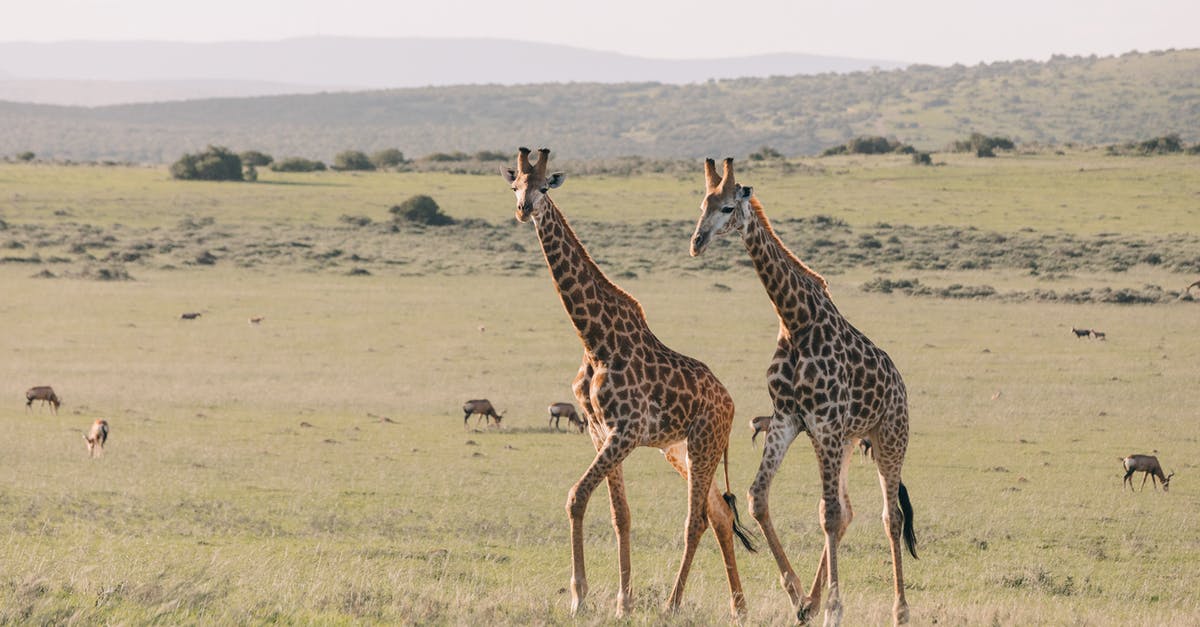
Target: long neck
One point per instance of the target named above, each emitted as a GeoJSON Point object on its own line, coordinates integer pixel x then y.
{"type": "Point", "coordinates": [798, 293]}
{"type": "Point", "coordinates": [593, 303]}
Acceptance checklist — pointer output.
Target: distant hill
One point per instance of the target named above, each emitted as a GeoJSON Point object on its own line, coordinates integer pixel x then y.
{"type": "Point", "coordinates": [1067, 99]}
{"type": "Point", "coordinates": [141, 71]}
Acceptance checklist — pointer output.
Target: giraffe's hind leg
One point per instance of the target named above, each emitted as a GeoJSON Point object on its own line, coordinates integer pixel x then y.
{"type": "Point", "coordinates": [897, 512]}
{"type": "Point", "coordinates": [702, 465]}
{"type": "Point", "coordinates": [720, 516]}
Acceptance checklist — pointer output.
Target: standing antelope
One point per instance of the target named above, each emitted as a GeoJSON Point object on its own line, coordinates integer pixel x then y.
{"type": "Point", "coordinates": [1081, 332]}
{"type": "Point", "coordinates": [567, 410]}
{"type": "Point", "coordinates": [43, 393]}
{"type": "Point", "coordinates": [484, 408]}
{"type": "Point", "coordinates": [96, 438]}
{"type": "Point", "coordinates": [1147, 464]}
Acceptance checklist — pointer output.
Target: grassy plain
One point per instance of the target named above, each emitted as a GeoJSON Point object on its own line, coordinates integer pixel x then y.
{"type": "Point", "coordinates": [313, 469]}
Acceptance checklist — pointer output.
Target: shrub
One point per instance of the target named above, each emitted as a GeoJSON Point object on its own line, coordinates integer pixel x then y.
{"type": "Point", "coordinates": [421, 209]}
{"type": "Point", "coordinates": [256, 158]}
{"type": "Point", "coordinates": [297, 164]}
{"type": "Point", "coordinates": [922, 158]}
{"type": "Point", "coordinates": [869, 145]}
{"type": "Point", "coordinates": [764, 153]}
{"type": "Point", "coordinates": [26, 156]}
{"type": "Point", "coordinates": [351, 160]}
{"type": "Point", "coordinates": [491, 155]}
{"type": "Point", "coordinates": [982, 145]}
{"type": "Point", "coordinates": [214, 164]}
{"type": "Point", "coordinates": [448, 156]}
{"type": "Point", "coordinates": [387, 158]}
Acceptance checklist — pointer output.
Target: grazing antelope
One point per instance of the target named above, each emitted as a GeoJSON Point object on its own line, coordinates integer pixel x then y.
{"type": "Point", "coordinates": [1098, 335]}
{"type": "Point", "coordinates": [257, 319]}
{"type": "Point", "coordinates": [484, 408]}
{"type": "Point", "coordinates": [1147, 464]}
{"type": "Point", "coordinates": [1081, 332]}
{"type": "Point", "coordinates": [567, 410]}
{"type": "Point", "coordinates": [43, 393]}
{"type": "Point", "coordinates": [865, 445]}
{"type": "Point", "coordinates": [96, 438]}
{"type": "Point", "coordinates": [191, 315]}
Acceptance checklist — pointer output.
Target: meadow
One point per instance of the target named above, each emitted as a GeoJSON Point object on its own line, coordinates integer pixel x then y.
{"type": "Point", "coordinates": [314, 468]}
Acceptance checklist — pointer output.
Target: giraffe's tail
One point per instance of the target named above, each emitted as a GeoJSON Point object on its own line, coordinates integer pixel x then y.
{"type": "Point", "coordinates": [910, 536]}
{"type": "Point", "coordinates": [739, 529]}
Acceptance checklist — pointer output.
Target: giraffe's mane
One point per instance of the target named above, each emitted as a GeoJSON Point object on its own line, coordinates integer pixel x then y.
{"type": "Point", "coordinates": [602, 279]}
{"type": "Point", "coordinates": [766, 223]}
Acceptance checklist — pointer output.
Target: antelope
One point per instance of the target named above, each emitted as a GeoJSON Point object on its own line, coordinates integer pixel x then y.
{"type": "Point", "coordinates": [191, 315]}
{"type": "Point", "coordinates": [43, 393]}
{"type": "Point", "coordinates": [1147, 464]}
{"type": "Point", "coordinates": [1098, 335]}
{"type": "Point", "coordinates": [96, 438]}
{"type": "Point", "coordinates": [762, 424]}
{"type": "Point", "coordinates": [567, 410]}
{"type": "Point", "coordinates": [257, 319]}
{"type": "Point", "coordinates": [1081, 332]}
{"type": "Point", "coordinates": [484, 408]}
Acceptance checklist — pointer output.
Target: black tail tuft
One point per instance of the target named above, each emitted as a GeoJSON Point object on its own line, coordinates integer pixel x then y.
{"type": "Point", "coordinates": [739, 529]}
{"type": "Point", "coordinates": [910, 536]}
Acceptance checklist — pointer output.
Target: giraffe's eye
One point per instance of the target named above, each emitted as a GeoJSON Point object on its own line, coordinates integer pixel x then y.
{"type": "Point", "coordinates": [726, 209]}
{"type": "Point", "coordinates": [544, 190]}
{"type": "Point", "coordinates": [514, 188]}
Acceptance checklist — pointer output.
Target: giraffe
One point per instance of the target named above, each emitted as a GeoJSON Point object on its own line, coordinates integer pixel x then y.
{"type": "Point", "coordinates": [826, 378]}
{"type": "Point", "coordinates": [634, 391]}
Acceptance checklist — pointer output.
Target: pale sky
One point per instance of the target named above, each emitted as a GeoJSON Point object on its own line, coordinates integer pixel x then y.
{"type": "Point", "coordinates": [939, 32]}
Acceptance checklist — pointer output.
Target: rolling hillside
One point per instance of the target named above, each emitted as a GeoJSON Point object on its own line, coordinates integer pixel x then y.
{"type": "Point", "coordinates": [1085, 100]}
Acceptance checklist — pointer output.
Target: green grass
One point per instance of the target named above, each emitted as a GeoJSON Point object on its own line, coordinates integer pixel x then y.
{"type": "Point", "coordinates": [250, 476]}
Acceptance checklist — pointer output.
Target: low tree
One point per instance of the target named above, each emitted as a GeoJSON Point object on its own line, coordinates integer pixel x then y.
{"type": "Point", "coordinates": [216, 163]}
{"type": "Point", "coordinates": [921, 158]}
{"type": "Point", "coordinates": [26, 156]}
{"type": "Point", "coordinates": [351, 160]}
{"type": "Point", "coordinates": [387, 158]}
{"type": "Point", "coordinates": [421, 209]}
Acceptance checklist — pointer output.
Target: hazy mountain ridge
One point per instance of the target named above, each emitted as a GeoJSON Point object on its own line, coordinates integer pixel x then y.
{"type": "Point", "coordinates": [122, 70]}
{"type": "Point", "coordinates": [1087, 100]}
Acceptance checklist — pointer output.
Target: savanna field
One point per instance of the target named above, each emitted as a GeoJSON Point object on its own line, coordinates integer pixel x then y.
{"type": "Point", "coordinates": [314, 468]}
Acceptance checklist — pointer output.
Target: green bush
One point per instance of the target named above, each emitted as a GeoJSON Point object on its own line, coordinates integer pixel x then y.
{"type": "Point", "coordinates": [448, 156]}
{"type": "Point", "coordinates": [421, 209]}
{"type": "Point", "coordinates": [26, 156]}
{"type": "Point", "coordinates": [387, 158]}
{"type": "Point", "coordinates": [297, 164]}
{"type": "Point", "coordinates": [351, 160]}
{"type": "Point", "coordinates": [869, 145]}
{"type": "Point", "coordinates": [214, 164]}
{"type": "Point", "coordinates": [922, 158]}
{"type": "Point", "coordinates": [982, 145]}
{"type": "Point", "coordinates": [491, 155]}
{"type": "Point", "coordinates": [256, 158]}
{"type": "Point", "coordinates": [765, 153]}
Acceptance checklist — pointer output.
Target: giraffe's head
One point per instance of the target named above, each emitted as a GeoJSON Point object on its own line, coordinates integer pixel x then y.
{"type": "Point", "coordinates": [725, 208]}
{"type": "Point", "coordinates": [530, 182]}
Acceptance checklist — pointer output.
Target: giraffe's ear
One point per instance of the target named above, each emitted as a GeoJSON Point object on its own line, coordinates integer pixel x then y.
{"type": "Point", "coordinates": [744, 192]}
{"type": "Point", "coordinates": [509, 175]}
{"type": "Point", "coordinates": [555, 180]}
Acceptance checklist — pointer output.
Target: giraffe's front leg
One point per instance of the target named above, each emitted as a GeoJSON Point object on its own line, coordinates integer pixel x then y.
{"type": "Point", "coordinates": [608, 459]}
{"type": "Point", "coordinates": [779, 438]}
